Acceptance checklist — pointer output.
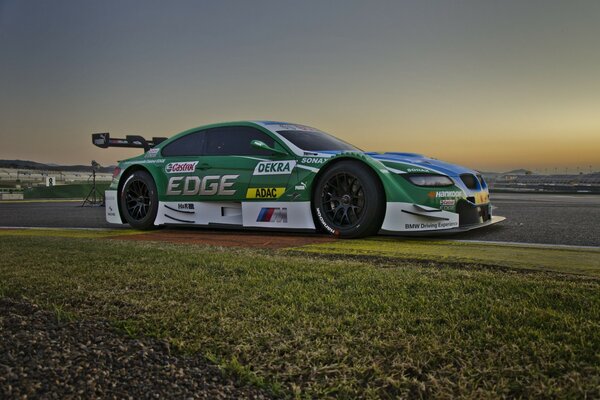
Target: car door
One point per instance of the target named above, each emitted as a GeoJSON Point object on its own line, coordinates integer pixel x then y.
{"type": "Point", "coordinates": [238, 171]}
{"type": "Point", "coordinates": [182, 175]}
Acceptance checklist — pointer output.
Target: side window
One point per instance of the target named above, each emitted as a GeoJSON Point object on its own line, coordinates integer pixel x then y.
{"type": "Point", "coordinates": [235, 140]}
{"type": "Point", "coordinates": [188, 145]}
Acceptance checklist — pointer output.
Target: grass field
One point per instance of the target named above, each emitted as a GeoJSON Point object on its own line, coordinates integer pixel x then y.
{"type": "Point", "coordinates": [556, 259]}
{"type": "Point", "coordinates": [308, 326]}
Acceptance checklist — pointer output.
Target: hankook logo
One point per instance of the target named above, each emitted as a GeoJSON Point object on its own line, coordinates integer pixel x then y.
{"type": "Point", "coordinates": [327, 227]}
{"type": "Point", "coordinates": [445, 193]}
{"type": "Point", "coordinates": [449, 194]}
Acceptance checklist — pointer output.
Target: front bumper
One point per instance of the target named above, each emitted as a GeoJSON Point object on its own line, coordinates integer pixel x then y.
{"type": "Point", "coordinates": [473, 214]}
{"type": "Point", "coordinates": [413, 219]}
{"type": "Point", "coordinates": [464, 228]}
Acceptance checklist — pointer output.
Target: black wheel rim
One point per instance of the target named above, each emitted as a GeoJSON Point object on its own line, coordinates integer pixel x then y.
{"type": "Point", "coordinates": [343, 200]}
{"type": "Point", "coordinates": [137, 200]}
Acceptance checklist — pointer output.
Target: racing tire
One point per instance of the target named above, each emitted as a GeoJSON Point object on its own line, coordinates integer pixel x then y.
{"type": "Point", "coordinates": [138, 200]}
{"type": "Point", "coordinates": [349, 201]}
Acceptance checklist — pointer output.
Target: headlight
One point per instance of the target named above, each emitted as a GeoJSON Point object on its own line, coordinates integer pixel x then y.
{"type": "Point", "coordinates": [428, 180]}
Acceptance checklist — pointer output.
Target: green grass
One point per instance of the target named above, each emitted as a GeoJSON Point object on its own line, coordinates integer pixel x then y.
{"type": "Point", "coordinates": [313, 327]}
{"type": "Point", "coordinates": [571, 261]}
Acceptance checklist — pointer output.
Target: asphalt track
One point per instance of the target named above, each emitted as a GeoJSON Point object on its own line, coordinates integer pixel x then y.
{"type": "Point", "coordinates": [531, 218]}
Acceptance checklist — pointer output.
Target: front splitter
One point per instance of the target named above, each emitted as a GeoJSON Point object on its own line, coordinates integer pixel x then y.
{"type": "Point", "coordinates": [438, 232]}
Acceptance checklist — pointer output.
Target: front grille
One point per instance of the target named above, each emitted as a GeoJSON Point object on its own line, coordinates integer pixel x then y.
{"type": "Point", "coordinates": [469, 180]}
{"type": "Point", "coordinates": [469, 214]}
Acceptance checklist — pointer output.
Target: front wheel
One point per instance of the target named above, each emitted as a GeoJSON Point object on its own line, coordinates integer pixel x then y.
{"type": "Point", "coordinates": [349, 201]}
{"type": "Point", "coordinates": [139, 200]}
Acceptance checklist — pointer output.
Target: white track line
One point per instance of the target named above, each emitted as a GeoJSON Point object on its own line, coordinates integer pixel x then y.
{"type": "Point", "coordinates": [58, 229]}
{"type": "Point", "coordinates": [535, 245]}
{"type": "Point", "coordinates": [519, 244]}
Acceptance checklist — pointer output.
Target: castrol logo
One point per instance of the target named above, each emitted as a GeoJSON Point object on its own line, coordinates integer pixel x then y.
{"type": "Point", "coordinates": [178, 167]}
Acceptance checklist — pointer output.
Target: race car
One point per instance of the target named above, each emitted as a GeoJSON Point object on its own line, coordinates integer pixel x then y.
{"type": "Point", "coordinates": [287, 176]}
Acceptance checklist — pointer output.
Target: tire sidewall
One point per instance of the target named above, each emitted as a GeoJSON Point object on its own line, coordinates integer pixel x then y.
{"type": "Point", "coordinates": [148, 221]}
{"type": "Point", "coordinates": [372, 217]}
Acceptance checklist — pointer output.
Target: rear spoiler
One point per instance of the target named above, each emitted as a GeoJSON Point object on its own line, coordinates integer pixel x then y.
{"type": "Point", "coordinates": [103, 140]}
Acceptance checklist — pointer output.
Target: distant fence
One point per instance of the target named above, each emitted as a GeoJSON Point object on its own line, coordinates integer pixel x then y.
{"type": "Point", "coordinates": [11, 196]}
{"type": "Point", "coordinates": [76, 191]}
{"type": "Point", "coordinates": [12, 176]}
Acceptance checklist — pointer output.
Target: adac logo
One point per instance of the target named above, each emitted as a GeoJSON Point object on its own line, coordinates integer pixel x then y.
{"type": "Point", "coordinates": [272, 214]}
{"type": "Point", "coordinates": [274, 167]}
{"type": "Point", "coordinates": [177, 167]}
{"type": "Point", "coordinates": [264, 193]}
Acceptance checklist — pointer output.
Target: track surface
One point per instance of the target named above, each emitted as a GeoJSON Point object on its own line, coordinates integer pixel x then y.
{"type": "Point", "coordinates": [531, 218]}
{"type": "Point", "coordinates": [543, 218]}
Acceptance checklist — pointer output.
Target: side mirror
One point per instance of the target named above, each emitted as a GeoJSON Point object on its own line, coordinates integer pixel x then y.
{"type": "Point", "coordinates": [258, 144]}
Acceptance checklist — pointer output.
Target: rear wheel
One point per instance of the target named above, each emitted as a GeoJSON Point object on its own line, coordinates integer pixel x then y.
{"type": "Point", "coordinates": [139, 200]}
{"type": "Point", "coordinates": [349, 201]}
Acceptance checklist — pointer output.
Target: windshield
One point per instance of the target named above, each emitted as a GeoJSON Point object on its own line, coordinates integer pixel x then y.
{"type": "Point", "coordinates": [316, 141]}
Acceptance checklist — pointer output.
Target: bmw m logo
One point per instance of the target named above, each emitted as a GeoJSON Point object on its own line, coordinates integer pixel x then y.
{"type": "Point", "coordinates": [271, 214]}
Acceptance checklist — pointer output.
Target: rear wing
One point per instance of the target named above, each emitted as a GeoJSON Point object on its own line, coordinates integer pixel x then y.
{"type": "Point", "coordinates": [103, 140]}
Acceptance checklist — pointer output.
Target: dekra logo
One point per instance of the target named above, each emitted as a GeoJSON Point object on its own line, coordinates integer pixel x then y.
{"type": "Point", "coordinates": [274, 167]}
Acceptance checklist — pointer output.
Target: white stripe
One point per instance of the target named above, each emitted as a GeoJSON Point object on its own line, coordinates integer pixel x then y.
{"type": "Point", "coordinates": [41, 228]}
{"type": "Point", "coordinates": [407, 163]}
{"type": "Point", "coordinates": [312, 169]}
{"type": "Point", "coordinates": [253, 158]}
{"type": "Point", "coordinates": [395, 171]}
{"type": "Point", "coordinates": [531, 245]}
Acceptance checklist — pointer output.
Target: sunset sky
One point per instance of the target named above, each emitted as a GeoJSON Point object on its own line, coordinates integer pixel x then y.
{"type": "Point", "coordinates": [493, 85]}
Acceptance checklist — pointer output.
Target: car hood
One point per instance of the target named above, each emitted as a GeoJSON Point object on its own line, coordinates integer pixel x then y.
{"type": "Point", "coordinates": [415, 160]}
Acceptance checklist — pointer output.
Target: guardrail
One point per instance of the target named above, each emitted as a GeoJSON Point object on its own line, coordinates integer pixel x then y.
{"type": "Point", "coordinates": [11, 196]}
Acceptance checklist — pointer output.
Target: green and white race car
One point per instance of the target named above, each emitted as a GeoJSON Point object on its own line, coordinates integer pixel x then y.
{"type": "Point", "coordinates": [279, 175]}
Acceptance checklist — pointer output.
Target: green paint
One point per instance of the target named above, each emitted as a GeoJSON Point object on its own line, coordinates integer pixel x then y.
{"type": "Point", "coordinates": [397, 189]}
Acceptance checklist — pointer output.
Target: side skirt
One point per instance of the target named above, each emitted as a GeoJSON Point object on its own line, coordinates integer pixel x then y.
{"type": "Point", "coordinates": [259, 214]}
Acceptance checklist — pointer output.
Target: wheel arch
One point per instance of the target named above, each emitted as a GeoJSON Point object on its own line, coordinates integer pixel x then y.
{"type": "Point", "coordinates": [350, 157]}
{"type": "Point", "coordinates": [124, 175]}
{"type": "Point", "coordinates": [370, 166]}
